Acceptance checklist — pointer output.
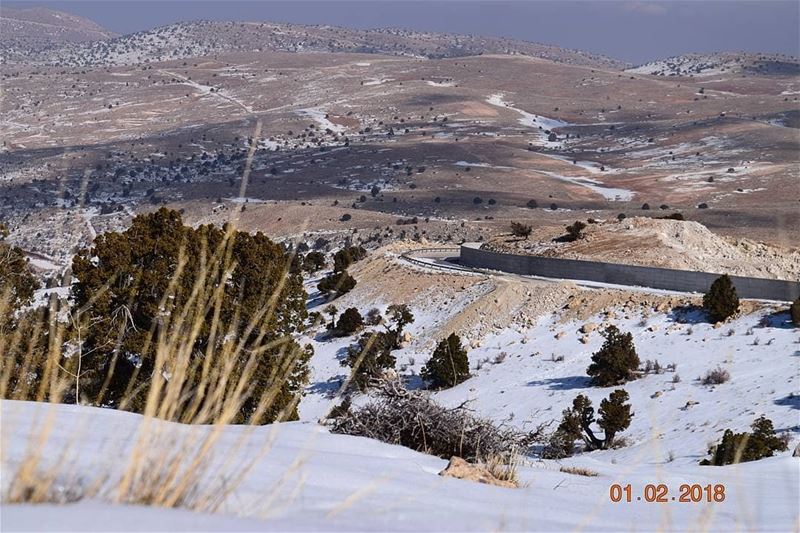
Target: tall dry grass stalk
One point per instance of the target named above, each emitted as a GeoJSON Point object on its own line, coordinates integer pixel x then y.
{"type": "Point", "coordinates": [194, 464]}
{"type": "Point", "coordinates": [166, 465]}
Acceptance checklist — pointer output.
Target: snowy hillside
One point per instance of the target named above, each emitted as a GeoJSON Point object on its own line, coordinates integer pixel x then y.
{"type": "Point", "coordinates": [720, 63]}
{"type": "Point", "coordinates": [311, 480]}
{"type": "Point", "coordinates": [529, 343]}
{"type": "Point", "coordinates": [204, 38]}
{"type": "Point", "coordinates": [516, 377]}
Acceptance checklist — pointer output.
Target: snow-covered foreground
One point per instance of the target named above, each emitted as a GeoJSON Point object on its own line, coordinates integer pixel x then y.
{"type": "Point", "coordinates": [312, 480]}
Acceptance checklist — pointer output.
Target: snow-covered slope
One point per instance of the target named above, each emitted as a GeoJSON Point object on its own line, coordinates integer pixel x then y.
{"type": "Point", "coordinates": [720, 63]}
{"type": "Point", "coordinates": [516, 379]}
{"type": "Point", "coordinates": [517, 330]}
{"type": "Point", "coordinates": [311, 480]}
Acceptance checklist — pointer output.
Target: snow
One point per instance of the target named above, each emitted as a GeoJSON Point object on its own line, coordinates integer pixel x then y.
{"type": "Point", "coordinates": [378, 81]}
{"type": "Point", "coordinates": [312, 480]}
{"type": "Point", "coordinates": [319, 116]}
{"type": "Point", "coordinates": [440, 83]}
{"type": "Point", "coordinates": [305, 478]}
{"type": "Point", "coordinates": [609, 193]}
{"type": "Point", "coordinates": [531, 120]}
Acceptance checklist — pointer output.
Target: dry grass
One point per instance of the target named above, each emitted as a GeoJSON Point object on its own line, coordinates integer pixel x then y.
{"type": "Point", "coordinates": [578, 471]}
{"type": "Point", "coordinates": [165, 464]}
{"type": "Point", "coordinates": [503, 469]}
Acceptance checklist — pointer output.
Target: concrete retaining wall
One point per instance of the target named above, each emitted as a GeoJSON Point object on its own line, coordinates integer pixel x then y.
{"type": "Point", "coordinates": [656, 278]}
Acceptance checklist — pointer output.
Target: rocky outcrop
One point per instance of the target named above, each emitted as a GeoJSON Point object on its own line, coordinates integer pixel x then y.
{"type": "Point", "coordinates": [460, 469]}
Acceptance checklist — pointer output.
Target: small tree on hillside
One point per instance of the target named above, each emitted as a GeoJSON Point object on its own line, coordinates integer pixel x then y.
{"type": "Point", "coordinates": [347, 256]}
{"type": "Point", "coordinates": [370, 358]}
{"type": "Point", "coordinates": [313, 261]}
{"type": "Point", "coordinates": [721, 300]}
{"type": "Point", "coordinates": [331, 311]}
{"type": "Point", "coordinates": [576, 424]}
{"type": "Point", "coordinates": [400, 315]}
{"type": "Point", "coordinates": [743, 447]}
{"type": "Point", "coordinates": [336, 284]}
{"type": "Point", "coordinates": [794, 311]}
{"type": "Point", "coordinates": [374, 317]}
{"type": "Point", "coordinates": [448, 366]}
{"type": "Point", "coordinates": [574, 232]}
{"type": "Point", "coordinates": [615, 416]}
{"type": "Point", "coordinates": [349, 323]}
{"type": "Point", "coordinates": [523, 231]}
{"type": "Point", "coordinates": [616, 360]}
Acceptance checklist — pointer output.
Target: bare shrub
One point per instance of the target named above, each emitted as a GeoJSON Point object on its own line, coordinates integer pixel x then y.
{"type": "Point", "coordinates": [413, 420]}
{"type": "Point", "coordinates": [499, 358]}
{"type": "Point", "coordinates": [716, 376]}
{"type": "Point", "coordinates": [523, 231]}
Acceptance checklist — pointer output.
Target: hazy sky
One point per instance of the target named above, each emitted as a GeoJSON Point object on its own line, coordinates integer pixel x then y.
{"type": "Point", "coordinates": [629, 30]}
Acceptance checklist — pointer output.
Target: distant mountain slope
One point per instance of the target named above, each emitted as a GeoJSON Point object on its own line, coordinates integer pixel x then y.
{"type": "Point", "coordinates": [721, 63]}
{"type": "Point", "coordinates": [202, 38]}
{"type": "Point", "coordinates": [36, 28]}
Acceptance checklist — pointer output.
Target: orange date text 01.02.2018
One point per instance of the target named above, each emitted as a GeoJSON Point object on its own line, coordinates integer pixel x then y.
{"type": "Point", "coordinates": [660, 493]}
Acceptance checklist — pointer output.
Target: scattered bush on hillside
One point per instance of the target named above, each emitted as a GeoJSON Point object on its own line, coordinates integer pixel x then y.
{"type": "Point", "coordinates": [721, 301]}
{"type": "Point", "coordinates": [616, 361]}
{"type": "Point", "coordinates": [532, 204]}
{"type": "Point", "coordinates": [615, 417]}
{"type": "Point", "coordinates": [523, 231]}
{"type": "Point", "coordinates": [347, 256]}
{"type": "Point", "coordinates": [412, 419]}
{"type": "Point", "coordinates": [716, 376]}
{"type": "Point", "coordinates": [349, 322]}
{"type": "Point", "coordinates": [373, 317]}
{"type": "Point", "coordinates": [314, 261]}
{"type": "Point", "coordinates": [794, 312]}
{"type": "Point", "coordinates": [743, 447]}
{"type": "Point", "coordinates": [448, 366]}
{"type": "Point", "coordinates": [673, 216]}
{"type": "Point", "coordinates": [370, 359]}
{"type": "Point", "coordinates": [574, 232]}
{"type": "Point", "coordinates": [336, 284]}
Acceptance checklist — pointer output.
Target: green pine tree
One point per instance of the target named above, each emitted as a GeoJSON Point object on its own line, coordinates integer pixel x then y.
{"type": "Point", "coordinates": [159, 279]}
{"type": "Point", "coordinates": [616, 360]}
{"type": "Point", "coordinates": [721, 300]}
{"type": "Point", "coordinates": [448, 366]}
